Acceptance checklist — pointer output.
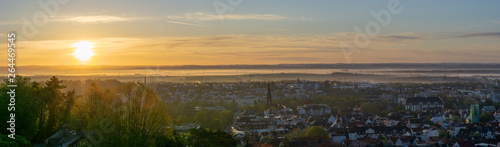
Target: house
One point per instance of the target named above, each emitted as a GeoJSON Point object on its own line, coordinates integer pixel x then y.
{"type": "Point", "coordinates": [486, 132]}
{"type": "Point", "coordinates": [423, 103]}
{"type": "Point", "coordinates": [488, 108]}
{"type": "Point", "coordinates": [64, 138]}
{"type": "Point", "coordinates": [246, 100]}
{"type": "Point", "coordinates": [497, 116]}
{"type": "Point", "coordinates": [495, 98]}
{"type": "Point", "coordinates": [331, 119]}
{"type": "Point", "coordinates": [314, 110]}
{"type": "Point", "coordinates": [435, 120]}
{"type": "Point", "coordinates": [338, 134]}
{"type": "Point", "coordinates": [465, 143]}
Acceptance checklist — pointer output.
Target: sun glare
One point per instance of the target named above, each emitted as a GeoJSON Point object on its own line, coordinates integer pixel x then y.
{"type": "Point", "coordinates": [83, 50]}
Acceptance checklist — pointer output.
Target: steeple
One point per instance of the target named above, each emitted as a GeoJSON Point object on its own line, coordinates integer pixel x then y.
{"type": "Point", "coordinates": [269, 101]}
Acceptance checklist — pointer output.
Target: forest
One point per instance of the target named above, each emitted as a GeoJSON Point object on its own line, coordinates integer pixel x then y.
{"type": "Point", "coordinates": [129, 115]}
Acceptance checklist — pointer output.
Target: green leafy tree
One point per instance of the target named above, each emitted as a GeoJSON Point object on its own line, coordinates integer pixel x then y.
{"type": "Point", "coordinates": [216, 124]}
{"type": "Point", "coordinates": [210, 138]}
{"type": "Point", "coordinates": [20, 141]}
{"type": "Point", "coordinates": [316, 131]}
{"type": "Point", "coordinates": [486, 117]}
{"type": "Point", "coordinates": [444, 133]}
{"type": "Point", "coordinates": [28, 108]}
{"type": "Point", "coordinates": [54, 99]}
{"type": "Point", "coordinates": [368, 107]}
{"type": "Point", "coordinates": [429, 117]}
{"type": "Point", "coordinates": [214, 119]}
{"type": "Point", "coordinates": [296, 133]}
{"type": "Point", "coordinates": [456, 118]}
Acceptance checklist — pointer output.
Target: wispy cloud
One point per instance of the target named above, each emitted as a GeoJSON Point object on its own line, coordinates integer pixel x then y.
{"type": "Point", "coordinates": [405, 36]}
{"type": "Point", "coordinates": [392, 38]}
{"type": "Point", "coordinates": [175, 19]}
{"type": "Point", "coordinates": [240, 49]}
{"type": "Point", "coordinates": [98, 19]}
{"type": "Point", "coordinates": [279, 29]}
{"type": "Point", "coordinates": [399, 38]}
{"type": "Point", "coordinates": [184, 23]}
{"type": "Point", "coordinates": [484, 34]}
{"type": "Point", "coordinates": [84, 19]}
{"type": "Point", "coordinates": [92, 19]}
{"type": "Point", "coordinates": [200, 16]}
{"type": "Point", "coordinates": [10, 22]}
{"type": "Point", "coordinates": [494, 21]}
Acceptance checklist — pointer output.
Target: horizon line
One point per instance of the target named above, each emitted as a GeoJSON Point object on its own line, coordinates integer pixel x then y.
{"type": "Point", "coordinates": [88, 65]}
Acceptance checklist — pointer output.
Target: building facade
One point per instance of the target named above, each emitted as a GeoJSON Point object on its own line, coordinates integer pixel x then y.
{"type": "Point", "coordinates": [314, 110]}
{"type": "Point", "coordinates": [423, 103]}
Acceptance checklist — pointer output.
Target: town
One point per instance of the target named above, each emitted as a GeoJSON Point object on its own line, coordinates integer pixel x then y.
{"type": "Point", "coordinates": [346, 113]}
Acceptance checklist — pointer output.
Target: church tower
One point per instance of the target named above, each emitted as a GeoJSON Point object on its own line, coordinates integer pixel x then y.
{"type": "Point", "coordinates": [269, 101]}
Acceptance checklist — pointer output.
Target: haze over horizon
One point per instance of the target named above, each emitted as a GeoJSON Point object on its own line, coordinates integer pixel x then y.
{"type": "Point", "coordinates": [124, 33]}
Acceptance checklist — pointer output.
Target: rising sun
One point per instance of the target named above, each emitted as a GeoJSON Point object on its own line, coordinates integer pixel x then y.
{"type": "Point", "coordinates": [83, 50]}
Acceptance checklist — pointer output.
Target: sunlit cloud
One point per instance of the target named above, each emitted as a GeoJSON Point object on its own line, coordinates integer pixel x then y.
{"type": "Point", "coordinates": [200, 16]}
{"type": "Point", "coordinates": [179, 19]}
{"type": "Point", "coordinates": [175, 19]}
{"type": "Point", "coordinates": [257, 49]}
{"type": "Point", "coordinates": [92, 19]}
{"type": "Point", "coordinates": [484, 34]}
{"type": "Point", "coordinates": [184, 23]}
{"type": "Point", "coordinates": [98, 19]}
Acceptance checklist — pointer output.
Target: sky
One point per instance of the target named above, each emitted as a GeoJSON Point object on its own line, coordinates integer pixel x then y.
{"type": "Point", "coordinates": [227, 32]}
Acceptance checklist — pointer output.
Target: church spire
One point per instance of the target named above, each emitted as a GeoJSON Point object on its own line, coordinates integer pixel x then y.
{"type": "Point", "coordinates": [269, 101]}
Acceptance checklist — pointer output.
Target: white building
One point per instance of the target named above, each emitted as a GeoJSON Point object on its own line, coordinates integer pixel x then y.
{"type": "Point", "coordinates": [422, 103]}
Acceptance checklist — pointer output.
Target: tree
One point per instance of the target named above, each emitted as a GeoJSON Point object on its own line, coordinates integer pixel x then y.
{"type": "Point", "coordinates": [296, 133]}
{"type": "Point", "coordinates": [476, 134]}
{"type": "Point", "coordinates": [209, 138]}
{"type": "Point", "coordinates": [139, 120]}
{"type": "Point", "coordinates": [429, 117]}
{"type": "Point", "coordinates": [456, 119]}
{"type": "Point", "coordinates": [486, 117]}
{"type": "Point", "coordinates": [20, 141]}
{"type": "Point", "coordinates": [444, 133]}
{"type": "Point", "coordinates": [216, 124]}
{"type": "Point", "coordinates": [316, 131]}
{"type": "Point", "coordinates": [368, 107]}
{"type": "Point", "coordinates": [213, 119]}
{"type": "Point", "coordinates": [29, 107]}
{"type": "Point", "coordinates": [54, 100]}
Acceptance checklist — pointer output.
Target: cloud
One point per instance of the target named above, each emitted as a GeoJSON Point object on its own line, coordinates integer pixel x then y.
{"type": "Point", "coordinates": [404, 36]}
{"type": "Point", "coordinates": [184, 23]}
{"type": "Point", "coordinates": [85, 19]}
{"type": "Point", "coordinates": [294, 58]}
{"type": "Point", "coordinates": [305, 18]}
{"type": "Point", "coordinates": [279, 29]}
{"type": "Point", "coordinates": [175, 19]}
{"type": "Point", "coordinates": [200, 16]}
{"type": "Point", "coordinates": [484, 34]}
{"type": "Point", "coordinates": [254, 49]}
{"type": "Point", "coordinates": [97, 19]}
{"type": "Point", "coordinates": [494, 21]}
{"type": "Point", "coordinates": [10, 22]}
{"type": "Point", "coordinates": [92, 19]}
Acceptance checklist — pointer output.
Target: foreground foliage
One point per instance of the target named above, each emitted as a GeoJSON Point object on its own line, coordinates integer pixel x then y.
{"type": "Point", "coordinates": [131, 115]}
